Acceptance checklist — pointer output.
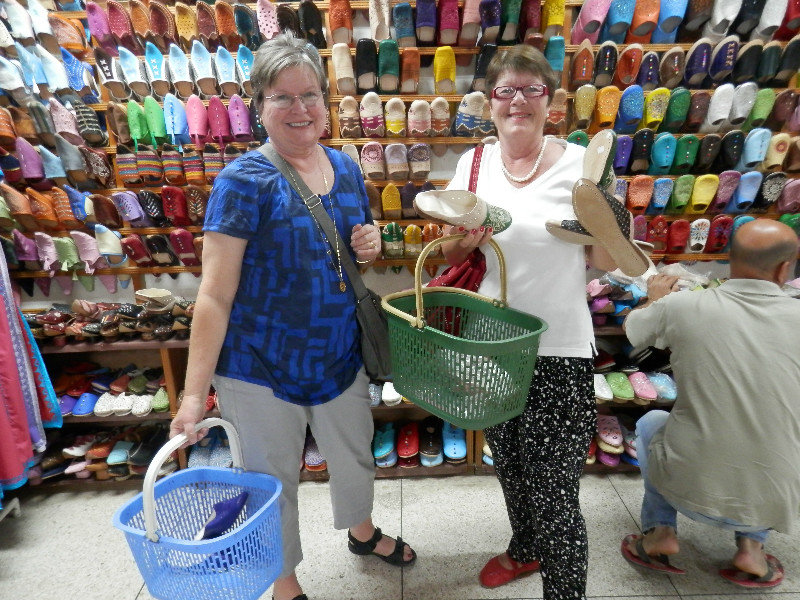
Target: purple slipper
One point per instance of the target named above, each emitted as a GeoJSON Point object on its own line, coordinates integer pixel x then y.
{"type": "Point", "coordinates": [224, 515]}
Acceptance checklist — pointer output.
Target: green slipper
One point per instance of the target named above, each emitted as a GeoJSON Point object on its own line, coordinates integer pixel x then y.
{"type": "Point", "coordinates": [160, 401]}
{"type": "Point", "coordinates": [137, 123]}
{"type": "Point", "coordinates": [137, 385]}
{"type": "Point", "coordinates": [388, 66]}
{"type": "Point", "coordinates": [392, 238]}
{"type": "Point", "coordinates": [154, 116]}
{"type": "Point", "coordinates": [578, 137]}
{"type": "Point", "coordinates": [685, 153]}
{"type": "Point", "coordinates": [67, 253]}
{"type": "Point", "coordinates": [678, 108]}
{"type": "Point", "coordinates": [681, 192]}
{"type": "Point", "coordinates": [620, 386]}
{"type": "Point", "coordinates": [792, 221]}
{"type": "Point", "coordinates": [765, 100]}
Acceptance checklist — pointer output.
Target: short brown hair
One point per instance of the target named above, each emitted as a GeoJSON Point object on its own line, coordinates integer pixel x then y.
{"type": "Point", "coordinates": [521, 58]}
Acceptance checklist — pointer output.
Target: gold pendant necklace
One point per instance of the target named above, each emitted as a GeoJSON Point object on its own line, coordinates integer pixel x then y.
{"type": "Point", "coordinates": [338, 267]}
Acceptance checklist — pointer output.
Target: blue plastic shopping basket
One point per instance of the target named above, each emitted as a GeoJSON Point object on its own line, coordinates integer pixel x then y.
{"type": "Point", "coordinates": [161, 522]}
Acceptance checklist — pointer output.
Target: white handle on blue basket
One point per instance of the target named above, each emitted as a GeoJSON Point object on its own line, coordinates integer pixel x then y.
{"type": "Point", "coordinates": [148, 496]}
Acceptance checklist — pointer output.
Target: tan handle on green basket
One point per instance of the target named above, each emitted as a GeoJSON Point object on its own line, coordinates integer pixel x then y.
{"type": "Point", "coordinates": [418, 321]}
{"type": "Point", "coordinates": [148, 495]}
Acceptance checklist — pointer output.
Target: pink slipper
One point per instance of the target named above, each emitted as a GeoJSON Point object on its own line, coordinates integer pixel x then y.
{"type": "Point", "coordinates": [608, 430]}
{"type": "Point", "coordinates": [589, 21]}
{"type": "Point", "coordinates": [90, 255]}
{"type": "Point", "coordinates": [47, 253]}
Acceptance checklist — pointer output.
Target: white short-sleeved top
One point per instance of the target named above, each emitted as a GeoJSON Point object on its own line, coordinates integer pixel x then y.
{"type": "Point", "coordinates": [546, 276]}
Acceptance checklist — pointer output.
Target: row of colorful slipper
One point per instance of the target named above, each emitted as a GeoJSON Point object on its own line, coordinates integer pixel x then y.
{"type": "Point", "coordinates": [706, 64]}
{"type": "Point", "coordinates": [730, 192]}
{"type": "Point", "coordinates": [428, 442]}
{"type": "Point", "coordinates": [117, 453]}
{"type": "Point", "coordinates": [661, 110]}
{"type": "Point", "coordinates": [637, 387]}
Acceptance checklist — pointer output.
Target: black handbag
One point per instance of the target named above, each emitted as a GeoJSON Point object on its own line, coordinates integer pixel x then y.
{"type": "Point", "coordinates": [371, 318]}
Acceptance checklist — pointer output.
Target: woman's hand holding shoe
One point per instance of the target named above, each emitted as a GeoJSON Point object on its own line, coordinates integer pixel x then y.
{"type": "Point", "coordinates": [366, 243]}
{"type": "Point", "coordinates": [457, 251]}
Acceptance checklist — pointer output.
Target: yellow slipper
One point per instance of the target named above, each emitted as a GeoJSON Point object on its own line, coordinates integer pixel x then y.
{"type": "Point", "coordinates": [605, 109]}
{"type": "Point", "coordinates": [655, 108]}
{"type": "Point", "coordinates": [394, 113]}
{"type": "Point", "coordinates": [390, 200]}
{"type": "Point", "coordinates": [444, 70]}
{"type": "Point", "coordinates": [703, 192]}
{"type": "Point", "coordinates": [553, 17]}
{"type": "Point", "coordinates": [776, 152]}
{"type": "Point", "coordinates": [412, 238]}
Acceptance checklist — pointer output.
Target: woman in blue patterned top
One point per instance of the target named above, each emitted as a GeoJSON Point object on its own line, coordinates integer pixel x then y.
{"type": "Point", "coordinates": [275, 318]}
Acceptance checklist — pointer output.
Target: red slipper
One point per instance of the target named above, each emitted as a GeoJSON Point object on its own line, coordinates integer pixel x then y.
{"type": "Point", "coordinates": [642, 559]}
{"type": "Point", "coordinates": [748, 580]}
{"type": "Point", "coordinates": [494, 574]}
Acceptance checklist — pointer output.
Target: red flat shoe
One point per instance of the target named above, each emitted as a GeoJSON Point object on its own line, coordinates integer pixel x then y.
{"type": "Point", "coordinates": [494, 574]}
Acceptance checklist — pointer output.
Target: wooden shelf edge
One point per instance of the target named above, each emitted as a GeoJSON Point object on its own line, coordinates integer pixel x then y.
{"type": "Point", "coordinates": [116, 420]}
{"type": "Point", "coordinates": [120, 345]}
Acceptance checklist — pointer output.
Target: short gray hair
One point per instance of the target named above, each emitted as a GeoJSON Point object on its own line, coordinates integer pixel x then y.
{"type": "Point", "coordinates": [280, 53]}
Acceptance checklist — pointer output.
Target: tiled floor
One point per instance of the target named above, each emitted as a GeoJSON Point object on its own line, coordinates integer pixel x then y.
{"type": "Point", "coordinates": [63, 547]}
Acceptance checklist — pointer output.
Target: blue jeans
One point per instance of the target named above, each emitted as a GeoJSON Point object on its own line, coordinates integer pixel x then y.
{"type": "Point", "coordinates": [655, 508]}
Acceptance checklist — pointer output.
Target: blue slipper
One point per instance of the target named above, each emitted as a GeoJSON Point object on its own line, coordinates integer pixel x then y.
{"type": "Point", "coordinates": [454, 442]}
{"type": "Point", "coordinates": [662, 190]}
{"type": "Point", "coordinates": [387, 461]}
{"type": "Point", "coordinates": [431, 461]}
{"type": "Point", "coordinates": [662, 154]}
{"type": "Point", "coordinates": [85, 404]}
{"type": "Point", "coordinates": [222, 517]}
{"type": "Point", "coordinates": [745, 193]}
{"type": "Point", "coordinates": [631, 109]}
{"type": "Point", "coordinates": [383, 441]}
{"type": "Point", "coordinates": [755, 149]}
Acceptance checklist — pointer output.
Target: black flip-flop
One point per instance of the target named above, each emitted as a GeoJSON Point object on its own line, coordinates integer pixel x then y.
{"type": "Point", "coordinates": [642, 559]}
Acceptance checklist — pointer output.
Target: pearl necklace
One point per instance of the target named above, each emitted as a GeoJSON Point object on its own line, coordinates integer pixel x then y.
{"type": "Point", "coordinates": [530, 173]}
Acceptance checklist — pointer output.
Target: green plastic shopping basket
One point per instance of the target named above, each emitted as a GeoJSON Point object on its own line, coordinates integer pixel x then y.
{"type": "Point", "coordinates": [462, 356]}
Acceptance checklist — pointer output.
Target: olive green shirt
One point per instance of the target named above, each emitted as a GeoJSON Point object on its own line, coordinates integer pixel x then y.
{"type": "Point", "coordinates": [731, 445]}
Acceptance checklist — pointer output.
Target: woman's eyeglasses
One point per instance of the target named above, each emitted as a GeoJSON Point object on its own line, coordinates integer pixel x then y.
{"type": "Point", "coordinates": [507, 92]}
{"type": "Point", "coordinates": [287, 100]}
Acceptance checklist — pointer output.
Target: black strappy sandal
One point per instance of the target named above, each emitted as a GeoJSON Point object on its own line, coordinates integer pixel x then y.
{"type": "Point", "coordinates": [368, 547]}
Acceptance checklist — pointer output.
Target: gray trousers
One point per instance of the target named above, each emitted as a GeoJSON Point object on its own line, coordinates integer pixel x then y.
{"type": "Point", "coordinates": [273, 432]}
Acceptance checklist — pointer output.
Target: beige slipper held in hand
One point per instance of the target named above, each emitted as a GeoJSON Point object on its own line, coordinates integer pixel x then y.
{"type": "Point", "coordinates": [462, 209]}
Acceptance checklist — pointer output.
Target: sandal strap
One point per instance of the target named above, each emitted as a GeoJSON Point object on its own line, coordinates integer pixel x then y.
{"type": "Point", "coordinates": [370, 544]}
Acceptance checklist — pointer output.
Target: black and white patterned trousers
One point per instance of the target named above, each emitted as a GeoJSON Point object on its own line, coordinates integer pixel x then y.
{"type": "Point", "coordinates": [539, 457]}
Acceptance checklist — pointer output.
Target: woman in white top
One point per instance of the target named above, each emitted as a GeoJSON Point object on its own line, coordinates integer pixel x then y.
{"type": "Point", "coordinates": [539, 455]}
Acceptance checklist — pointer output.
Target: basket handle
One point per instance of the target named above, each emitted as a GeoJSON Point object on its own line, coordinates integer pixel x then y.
{"type": "Point", "coordinates": [418, 321]}
{"type": "Point", "coordinates": [148, 495]}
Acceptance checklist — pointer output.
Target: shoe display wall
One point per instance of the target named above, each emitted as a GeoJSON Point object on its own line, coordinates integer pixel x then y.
{"type": "Point", "coordinates": [115, 119]}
